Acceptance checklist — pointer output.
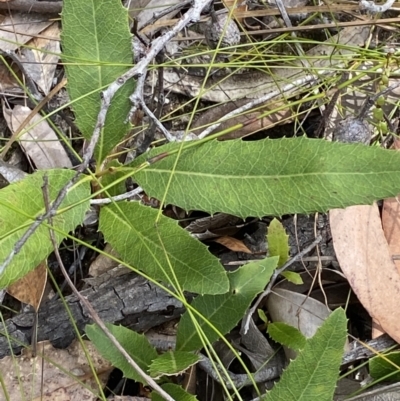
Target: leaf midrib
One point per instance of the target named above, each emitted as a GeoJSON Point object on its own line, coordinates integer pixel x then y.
{"type": "Point", "coordinates": [257, 177]}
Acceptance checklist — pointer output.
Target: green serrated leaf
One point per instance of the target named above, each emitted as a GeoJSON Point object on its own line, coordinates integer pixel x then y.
{"type": "Point", "coordinates": [283, 176]}
{"type": "Point", "coordinates": [21, 203]}
{"type": "Point", "coordinates": [97, 50]}
{"type": "Point", "coordinates": [175, 391]}
{"type": "Point", "coordinates": [313, 374]}
{"type": "Point", "coordinates": [287, 335]}
{"type": "Point", "coordinates": [278, 242]}
{"type": "Point", "coordinates": [172, 363]}
{"type": "Point", "coordinates": [387, 368]}
{"type": "Point", "coordinates": [131, 230]}
{"type": "Point", "coordinates": [293, 277]}
{"type": "Point", "coordinates": [136, 345]}
{"type": "Point", "coordinates": [225, 311]}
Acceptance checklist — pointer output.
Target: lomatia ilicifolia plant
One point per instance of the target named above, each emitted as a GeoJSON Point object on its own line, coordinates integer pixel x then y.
{"type": "Point", "coordinates": [242, 178]}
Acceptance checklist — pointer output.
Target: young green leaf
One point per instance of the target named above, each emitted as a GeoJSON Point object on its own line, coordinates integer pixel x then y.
{"type": "Point", "coordinates": [272, 176]}
{"type": "Point", "coordinates": [154, 248]}
{"type": "Point", "coordinates": [278, 241]}
{"type": "Point", "coordinates": [97, 49]}
{"type": "Point", "coordinates": [136, 345]}
{"type": "Point", "coordinates": [225, 311]}
{"type": "Point", "coordinates": [262, 315]}
{"type": "Point", "coordinates": [172, 363]}
{"type": "Point", "coordinates": [175, 391]}
{"type": "Point", "coordinates": [21, 203]}
{"type": "Point", "coordinates": [287, 335]}
{"type": "Point", "coordinates": [313, 374]}
{"type": "Point", "coordinates": [293, 277]}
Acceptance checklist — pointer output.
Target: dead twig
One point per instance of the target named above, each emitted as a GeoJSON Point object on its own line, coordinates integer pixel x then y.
{"type": "Point", "coordinates": [155, 119]}
{"type": "Point", "coordinates": [137, 99]}
{"type": "Point", "coordinates": [48, 7]}
{"type": "Point", "coordinates": [117, 198]}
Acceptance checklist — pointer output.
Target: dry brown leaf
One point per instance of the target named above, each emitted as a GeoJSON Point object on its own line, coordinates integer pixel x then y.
{"type": "Point", "coordinates": [212, 223]}
{"type": "Point", "coordinates": [40, 142]}
{"type": "Point", "coordinates": [391, 227]}
{"type": "Point", "coordinates": [391, 221]}
{"type": "Point", "coordinates": [364, 257]}
{"type": "Point", "coordinates": [41, 57]}
{"type": "Point", "coordinates": [22, 376]}
{"type": "Point", "coordinates": [233, 244]}
{"type": "Point", "coordinates": [19, 28]}
{"type": "Point", "coordinates": [7, 79]}
{"type": "Point", "coordinates": [29, 289]}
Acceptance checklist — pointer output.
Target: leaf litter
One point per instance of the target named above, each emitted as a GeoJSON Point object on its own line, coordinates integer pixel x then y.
{"type": "Point", "coordinates": [66, 374]}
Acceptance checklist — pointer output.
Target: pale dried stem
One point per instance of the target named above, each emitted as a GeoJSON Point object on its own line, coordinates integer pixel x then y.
{"type": "Point", "coordinates": [117, 198]}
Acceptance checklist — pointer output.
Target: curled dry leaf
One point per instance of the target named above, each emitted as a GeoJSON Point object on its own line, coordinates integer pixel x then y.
{"type": "Point", "coordinates": [364, 257]}
{"type": "Point", "coordinates": [212, 223]}
{"type": "Point", "coordinates": [30, 288]}
{"type": "Point", "coordinates": [233, 244]}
